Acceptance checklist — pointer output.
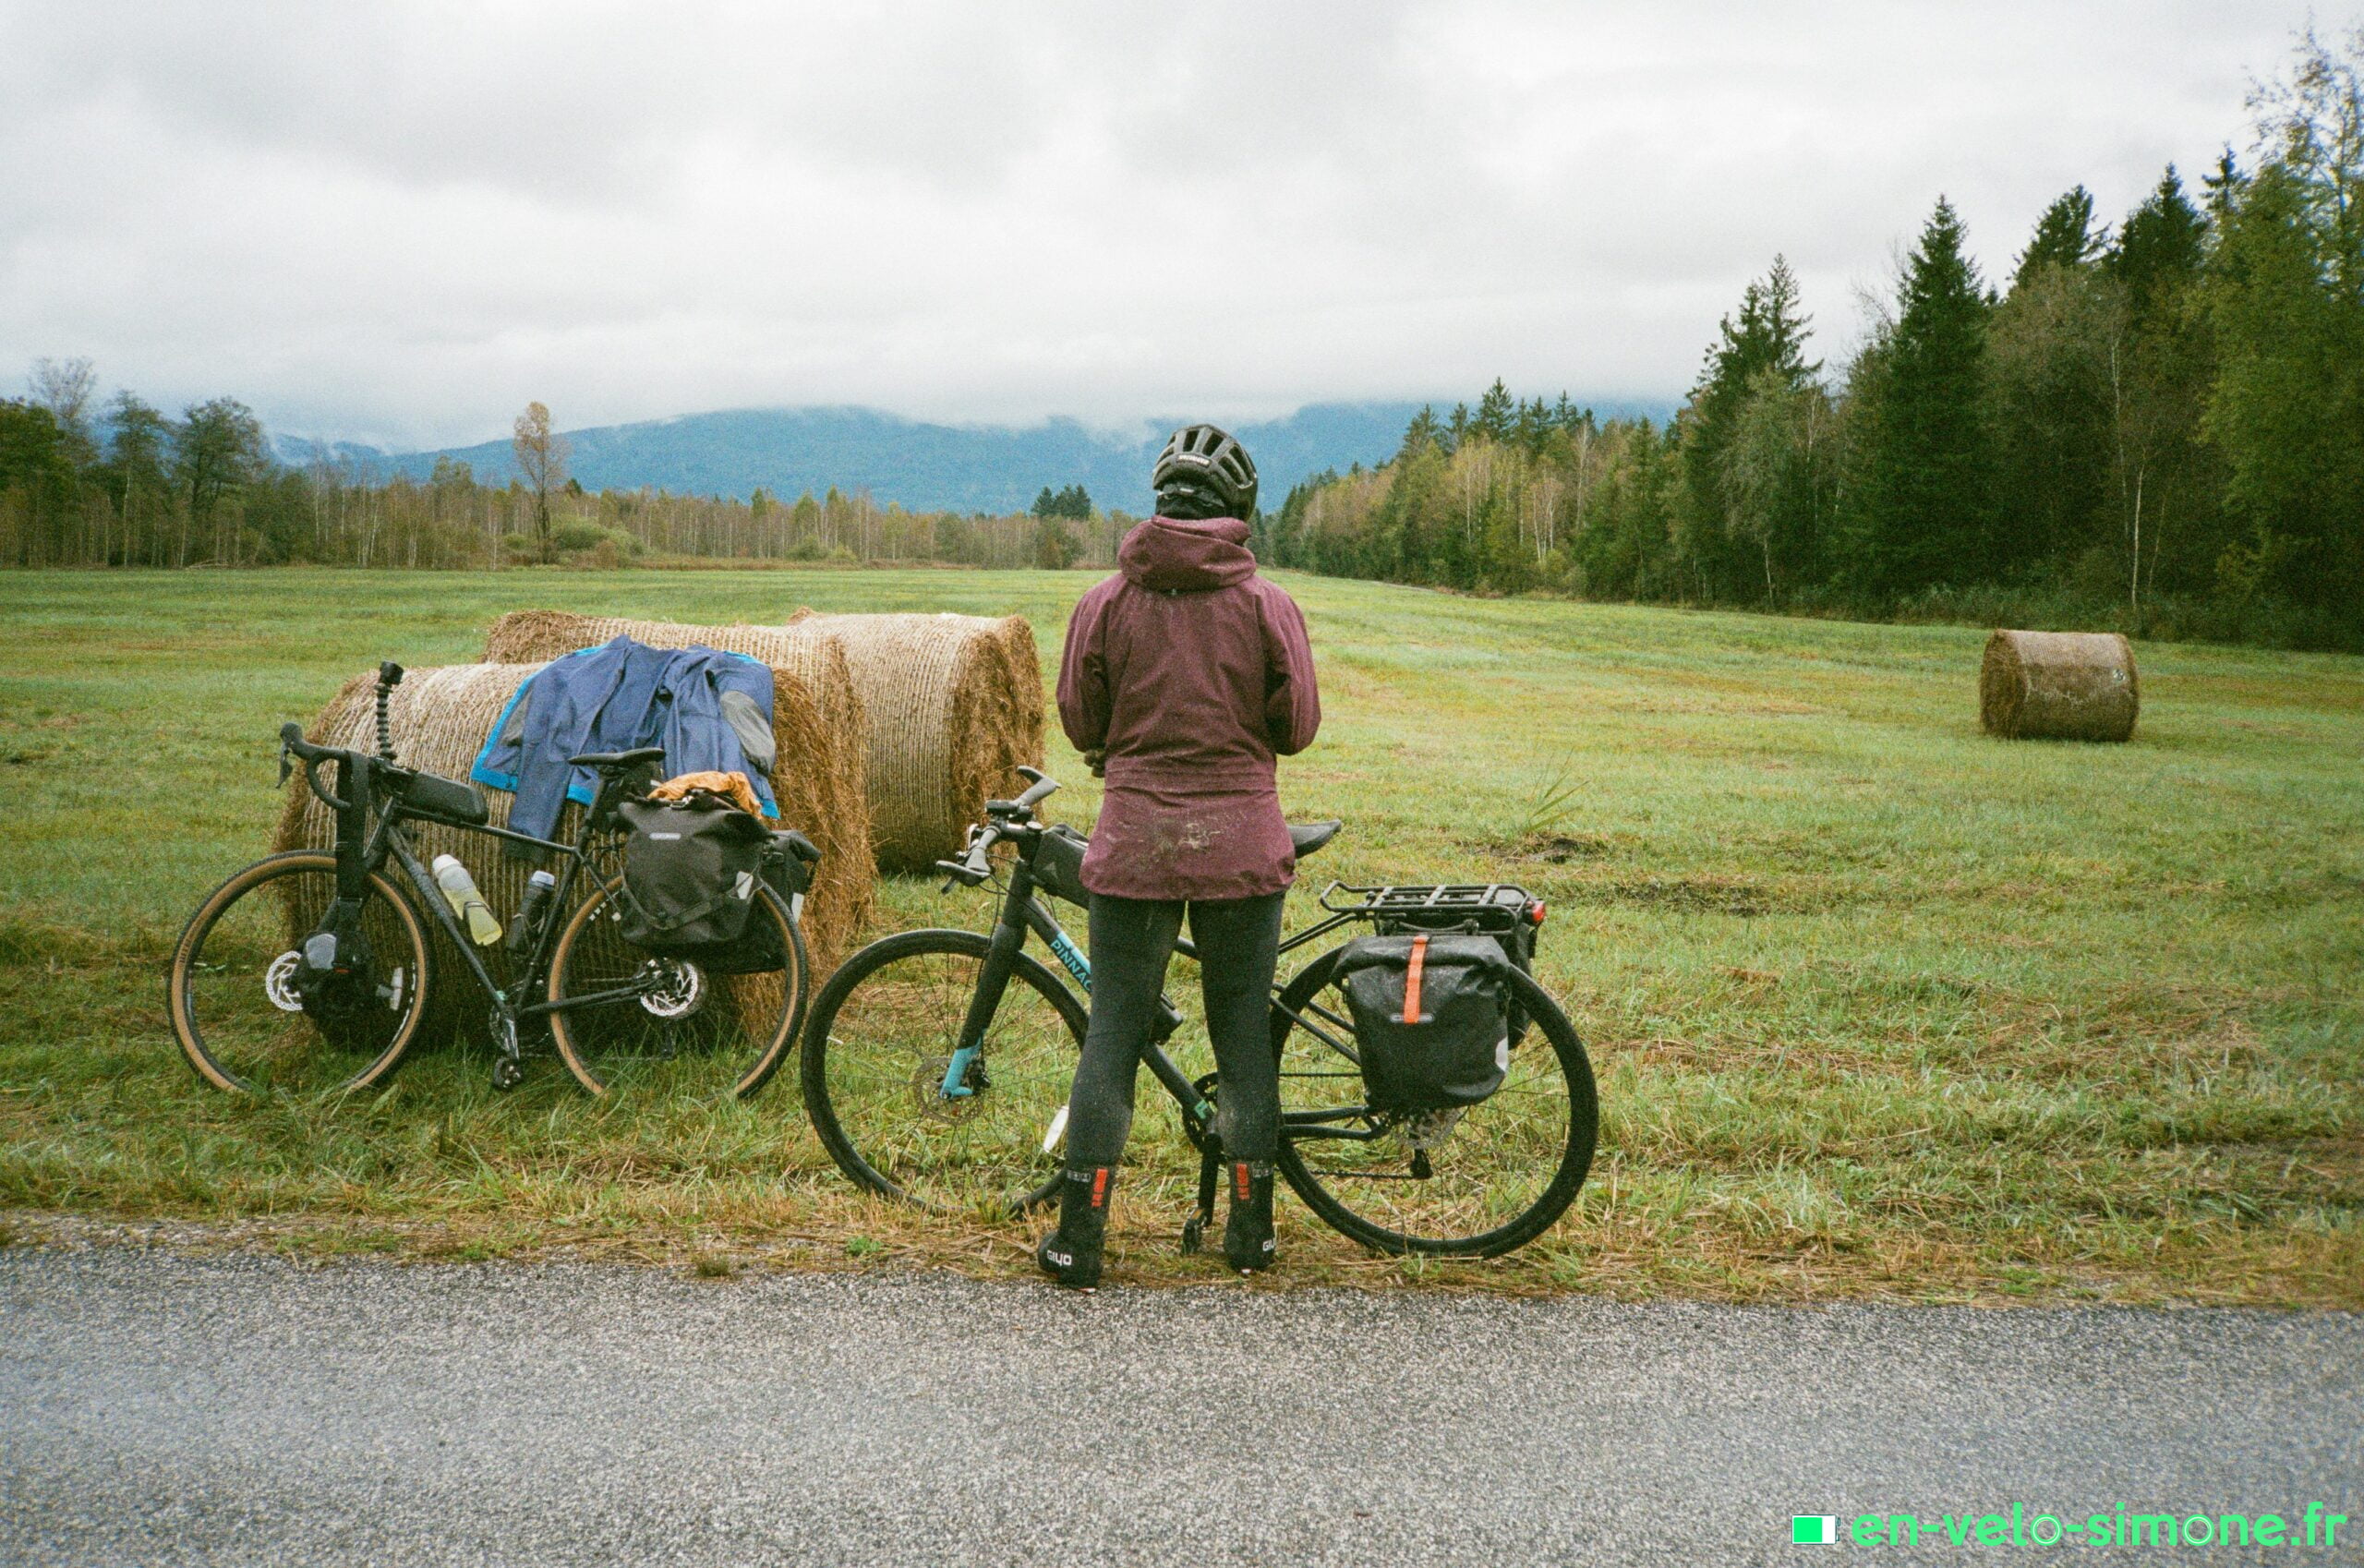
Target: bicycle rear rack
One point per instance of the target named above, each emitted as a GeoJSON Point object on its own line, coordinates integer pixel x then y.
{"type": "Point", "coordinates": [1486, 906]}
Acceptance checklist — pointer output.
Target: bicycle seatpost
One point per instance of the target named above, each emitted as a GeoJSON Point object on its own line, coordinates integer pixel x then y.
{"type": "Point", "coordinates": [389, 675]}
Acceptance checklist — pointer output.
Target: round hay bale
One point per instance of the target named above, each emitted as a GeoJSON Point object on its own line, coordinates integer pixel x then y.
{"type": "Point", "coordinates": [956, 704]}
{"type": "Point", "coordinates": [818, 716]}
{"type": "Point", "coordinates": [2058, 686]}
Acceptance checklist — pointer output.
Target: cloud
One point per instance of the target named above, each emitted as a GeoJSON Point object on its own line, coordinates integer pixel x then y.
{"type": "Point", "coordinates": [401, 223]}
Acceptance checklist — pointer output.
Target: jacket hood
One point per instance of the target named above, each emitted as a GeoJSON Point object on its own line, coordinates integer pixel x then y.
{"type": "Point", "coordinates": [1179, 555]}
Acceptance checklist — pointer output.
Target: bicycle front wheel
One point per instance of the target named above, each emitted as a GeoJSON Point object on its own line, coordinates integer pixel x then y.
{"type": "Point", "coordinates": [237, 998]}
{"type": "Point", "coordinates": [1475, 1182]}
{"type": "Point", "coordinates": [881, 1044]}
{"type": "Point", "coordinates": [627, 1019]}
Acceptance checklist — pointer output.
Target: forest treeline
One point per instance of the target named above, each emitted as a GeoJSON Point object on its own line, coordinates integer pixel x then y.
{"type": "Point", "coordinates": [2157, 426]}
{"type": "Point", "coordinates": [129, 485]}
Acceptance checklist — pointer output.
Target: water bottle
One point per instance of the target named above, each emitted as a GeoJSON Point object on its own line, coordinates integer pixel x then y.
{"type": "Point", "coordinates": [528, 923]}
{"type": "Point", "coordinates": [466, 902]}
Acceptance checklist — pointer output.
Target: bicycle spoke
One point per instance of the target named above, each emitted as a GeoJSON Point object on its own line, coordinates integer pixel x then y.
{"type": "Point", "coordinates": [243, 1005]}
{"type": "Point", "coordinates": [882, 1063]}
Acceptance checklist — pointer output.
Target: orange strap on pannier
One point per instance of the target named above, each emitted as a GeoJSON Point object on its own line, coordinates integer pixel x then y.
{"type": "Point", "coordinates": [1412, 979]}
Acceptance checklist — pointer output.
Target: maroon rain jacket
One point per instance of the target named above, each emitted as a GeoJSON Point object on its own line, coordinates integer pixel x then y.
{"type": "Point", "coordinates": [1193, 672]}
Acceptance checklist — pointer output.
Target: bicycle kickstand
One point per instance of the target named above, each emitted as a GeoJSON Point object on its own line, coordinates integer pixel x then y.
{"type": "Point", "coordinates": [1194, 1229]}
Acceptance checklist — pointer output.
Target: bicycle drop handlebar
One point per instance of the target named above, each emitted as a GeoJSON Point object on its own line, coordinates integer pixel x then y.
{"type": "Point", "coordinates": [292, 745]}
{"type": "Point", "coordinates": [1001, 819]}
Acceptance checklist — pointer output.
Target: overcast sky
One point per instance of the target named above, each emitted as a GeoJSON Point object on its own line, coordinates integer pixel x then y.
{"type": "Point", "coordinates": [399, 224]}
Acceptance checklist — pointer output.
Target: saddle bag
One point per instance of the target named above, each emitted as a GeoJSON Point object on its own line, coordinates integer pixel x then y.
{"type": "Point", "coordinates": [1431, 1017]}
{"type": "Point", "coordinates": [691, 870]}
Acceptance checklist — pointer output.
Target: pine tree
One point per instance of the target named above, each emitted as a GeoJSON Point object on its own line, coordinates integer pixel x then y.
{"type": "Point", "coordinates": [1421, 433]}
{"type": "Point", "coordinates": [2160, 247]}
{"type": "Point", "coordinates": [1769, 335]}
{"type": "Point", "coordinates": [1921, 503]}
{"type": "Point", "coordinates": [2063, 237]}
{"type": "Point", "coordinates": [1494, 414]}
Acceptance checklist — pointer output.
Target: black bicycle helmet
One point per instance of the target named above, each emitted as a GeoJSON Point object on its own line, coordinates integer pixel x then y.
{"type": "Point", "coordinates": [1204, 470]}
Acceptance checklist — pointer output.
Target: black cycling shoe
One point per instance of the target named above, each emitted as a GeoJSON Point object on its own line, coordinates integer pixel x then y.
{"type": "Point", "coordinates": [1247, 1241]}
{"type": "Point", "coordinates": [1071, 1253]}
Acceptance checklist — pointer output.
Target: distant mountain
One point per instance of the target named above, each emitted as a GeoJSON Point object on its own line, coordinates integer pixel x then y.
{"type": "Point", "coordinates": [925, 466]}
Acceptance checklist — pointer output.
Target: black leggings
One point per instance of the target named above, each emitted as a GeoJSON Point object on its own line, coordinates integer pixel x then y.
{"type": "Point", "coordinates": [1238, 942]}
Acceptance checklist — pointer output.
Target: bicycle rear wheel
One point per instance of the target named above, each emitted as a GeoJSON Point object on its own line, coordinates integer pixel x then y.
{"type": "Point", "coordinates": [880, 1041]}
{"type": "Point", "coordinates": [630, 1019]}
{"type": "Point", "coordinates": [233, 991]}
{"type": "Point", "coordinates": [1476, 1183]}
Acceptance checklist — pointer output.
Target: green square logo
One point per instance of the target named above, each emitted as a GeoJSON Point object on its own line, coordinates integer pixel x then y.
{"type": "Point", "coordinates": [1814, 1529]}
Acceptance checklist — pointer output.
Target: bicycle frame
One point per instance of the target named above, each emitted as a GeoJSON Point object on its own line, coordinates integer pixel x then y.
{"type": "Point", "coordinates": [363, 846]}
{"type": "Point", "coordinates": [1021, 912]}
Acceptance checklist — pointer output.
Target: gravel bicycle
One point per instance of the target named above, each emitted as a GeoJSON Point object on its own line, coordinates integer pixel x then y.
{"type": "Point", "coordinates": [937, 1062]}
{"type": "Point", "coordinates": [312, 971]}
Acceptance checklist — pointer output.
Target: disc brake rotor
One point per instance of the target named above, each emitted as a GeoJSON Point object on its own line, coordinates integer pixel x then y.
{"type": "Point", "coordinates": [679, 989]}
{"type": "Point", "coordinates": [279, 981]}
{"type": "Point", "coordinates": [927, 1090]}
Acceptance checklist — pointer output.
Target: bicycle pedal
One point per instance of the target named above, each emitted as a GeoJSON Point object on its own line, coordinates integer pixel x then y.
{"type": "Point", "coordinates": [1194, 1235]}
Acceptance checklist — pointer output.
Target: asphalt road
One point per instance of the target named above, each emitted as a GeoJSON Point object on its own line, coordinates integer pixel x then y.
{"type": "Point", "coordinates": [157, 1407]}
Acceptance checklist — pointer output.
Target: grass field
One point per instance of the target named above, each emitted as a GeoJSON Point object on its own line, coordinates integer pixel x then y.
{"type": "Point", "coordinates": [1879, 1007]}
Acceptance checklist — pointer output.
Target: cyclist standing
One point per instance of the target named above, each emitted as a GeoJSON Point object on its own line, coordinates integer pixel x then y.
{"type": "Point", "coordinates": [1183, 677]}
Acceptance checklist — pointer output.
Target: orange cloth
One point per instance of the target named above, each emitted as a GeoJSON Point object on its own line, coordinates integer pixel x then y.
{"type": "Point", "coordinates": [732, 787]}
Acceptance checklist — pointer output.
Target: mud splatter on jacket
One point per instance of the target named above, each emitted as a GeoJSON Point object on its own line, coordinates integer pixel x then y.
{"type": "Point", "coordinates": [1193, 673]}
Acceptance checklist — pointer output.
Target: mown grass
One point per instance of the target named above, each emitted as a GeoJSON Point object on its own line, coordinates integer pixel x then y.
{"type": "Point", "coordinates": [1880, 1008]}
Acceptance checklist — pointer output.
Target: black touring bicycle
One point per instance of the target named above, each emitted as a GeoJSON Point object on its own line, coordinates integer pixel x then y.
{"type": "Point", "coordinates": [937, 1062]}
{"type": "Point", "coordinates": [312, 971]}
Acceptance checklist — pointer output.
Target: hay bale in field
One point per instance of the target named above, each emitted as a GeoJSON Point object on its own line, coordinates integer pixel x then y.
{"type": "Point", "coordinates": [823, 730]}
{"type": "Point", "coordinates": [2059, 685]}
{"type": "Point", "coordinates": [956, 704]}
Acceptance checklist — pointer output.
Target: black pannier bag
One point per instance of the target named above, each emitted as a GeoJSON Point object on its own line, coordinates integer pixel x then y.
{"type": "Point", "coordinates": [1518, 942]}
{"type": "Point", "coordinates": [1058, 864]}
{"type": "Point", "coordinates": [1431, 1017]}
{"type": "Point", "coordinates": [691, 871]}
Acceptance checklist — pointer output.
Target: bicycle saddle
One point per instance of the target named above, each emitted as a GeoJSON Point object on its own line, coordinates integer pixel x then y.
{"type": "Point", "coordinates": [1308, 836]}
{"type": "Point", "coordinates": [605, 761]}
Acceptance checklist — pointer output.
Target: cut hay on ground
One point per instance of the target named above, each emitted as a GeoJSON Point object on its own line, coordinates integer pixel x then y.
{"type": "Point", "coordinates": [956, 706]}
{"type": "Point", "coordinates": [2058, 686]}
{"type": "Point", "coordinates": [822, 728]}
